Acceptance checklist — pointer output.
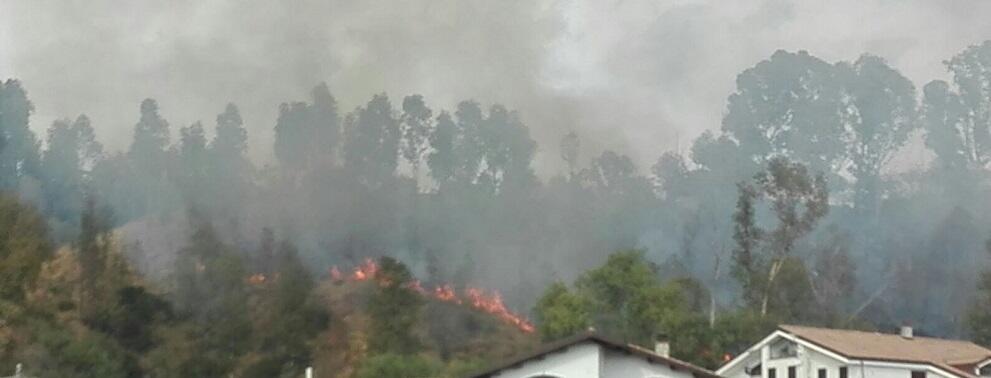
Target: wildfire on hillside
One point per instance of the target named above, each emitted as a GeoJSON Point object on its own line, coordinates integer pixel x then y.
{"type": "Point", "coordinates": [489, 302]}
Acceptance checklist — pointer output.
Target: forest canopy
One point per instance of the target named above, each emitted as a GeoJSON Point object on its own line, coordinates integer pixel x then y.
{"type": "Point", "coordinates": [180, 256]}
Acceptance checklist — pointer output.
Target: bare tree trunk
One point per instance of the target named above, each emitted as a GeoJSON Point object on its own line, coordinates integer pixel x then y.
{"type": "Point", "coordinates": [775, 268]}
{"type": "Point", "coordinates": [712, 296]}
{"type": "Point", "coordinates": [874, 296]}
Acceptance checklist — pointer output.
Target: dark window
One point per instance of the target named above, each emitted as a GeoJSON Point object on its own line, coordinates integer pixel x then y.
{"type": "Point", "coordinates": [792, 372]}
{"type": "Point", "coordinates": [843, 373]}
{"type": "Point", "coordinates": [822, 373]}
{"type": "Point", "coordinates": [918, 374]}
{"type": "Point", "coordinates": [754, 371]}
{"type": "Point", "coordinates": [784, 349]}
{"type": "Point", "coordinates": [773, 373]}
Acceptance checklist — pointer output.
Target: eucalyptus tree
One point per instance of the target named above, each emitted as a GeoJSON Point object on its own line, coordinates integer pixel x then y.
{"type": "Point", "coordinates": [797, 201]}
{"type": "Point", "coordinates": [788, 106]}
{"type": "Point", "coordinates": [878, 111]}
{"type": "Point", "coordinates": [507, 150]}
{"type": "Point", "coordinates": [19, 156]}
{"type": "Point", "coordinates": [371, 142]}
{"type": "Point", "coordinates": [958, 115]}
{"type": "Point", "coordinates": [489, 151]}
{"type": "Point", "coordinates": [307, 134]}
{"type": "Point", "coordinates": [72, 152]}
{"type": "Point", "coordinates": [844, 119]}
{"type": "Point", "coordinates": [442, 159]}
{"type": "Point", "coordinates": [416, 125]}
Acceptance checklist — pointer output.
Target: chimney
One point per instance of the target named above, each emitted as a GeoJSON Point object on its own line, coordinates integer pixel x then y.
{"type": "Point", "coordinates": [661, 346]}
{"type": "Point", "coordinates": [906, 332]}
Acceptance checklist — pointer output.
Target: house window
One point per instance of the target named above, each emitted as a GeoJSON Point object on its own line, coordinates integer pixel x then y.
{"type": "Point", "coordinates": [753, 371]}
{"type": "Point", "coordinates": [772, 373]}
{"type": "Point", "coordinates": [843, 372]}
{"type": "Point", "coordinates": [784, 349]}
{"type": "Point", "coordinates": [793, 372]}
{"type": "Point", "coordinates": [822, 373]}
{"type": "Point", "coordinates": [985, 371]}
{"type": "Point", "coordinates": [918, 374]}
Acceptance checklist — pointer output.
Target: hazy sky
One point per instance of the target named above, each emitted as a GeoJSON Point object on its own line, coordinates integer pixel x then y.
{"type": "Point", "coordinates": [632, 75]}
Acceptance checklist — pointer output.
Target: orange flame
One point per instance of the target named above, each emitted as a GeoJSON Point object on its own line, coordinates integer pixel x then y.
{"type": "Point", "coordinates": [445, 293]}
{"type": "Point", "coordinates": [365, 271]}
{"type": "Point", "coordinates": [417, 287]}
{"type": "Point", "coordinates": [478, 299]}
{"type": "Point", "coordinates": [257, 279]}
{"type": "Point", "coordinates": [492, 304]}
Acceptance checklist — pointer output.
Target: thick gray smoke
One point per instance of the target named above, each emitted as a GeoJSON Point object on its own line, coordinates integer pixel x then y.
{"type": "Point", "coordinates": [638, 76]}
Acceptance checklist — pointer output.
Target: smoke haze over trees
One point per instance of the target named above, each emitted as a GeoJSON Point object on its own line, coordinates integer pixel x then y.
{"type": "Point", "coordinates": [840, 192]}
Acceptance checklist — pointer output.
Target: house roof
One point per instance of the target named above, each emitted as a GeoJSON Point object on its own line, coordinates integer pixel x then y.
{"type": "Point", "coordinates": [564, 344]}
{"type": "Point", "coordinates": [954, 356]}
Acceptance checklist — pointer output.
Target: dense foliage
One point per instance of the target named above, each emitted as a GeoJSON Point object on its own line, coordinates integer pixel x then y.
{"type": "Point", "coordinates": [186, 258]}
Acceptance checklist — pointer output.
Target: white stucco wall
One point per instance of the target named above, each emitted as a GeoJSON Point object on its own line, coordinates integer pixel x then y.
{"type": "Point", "coordinates": [869, 369]}
{"type": "Point", "coordinates": [620, 365]}
{"type": "Point", "coordinates": [810, 360]}
{"type": "Point", "coordinates": [578, 361]}
{"type": "Point", "coordinates": [590, 360]}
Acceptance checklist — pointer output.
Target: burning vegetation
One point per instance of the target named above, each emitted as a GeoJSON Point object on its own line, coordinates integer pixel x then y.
{"type": "Point", "coordinates": [486, 301]}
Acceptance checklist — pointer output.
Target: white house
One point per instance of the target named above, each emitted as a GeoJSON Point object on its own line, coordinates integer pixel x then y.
{"type": "Point", "coordinates": [590, 355]}
{"type": "Point", "coordinates": [806, 352]}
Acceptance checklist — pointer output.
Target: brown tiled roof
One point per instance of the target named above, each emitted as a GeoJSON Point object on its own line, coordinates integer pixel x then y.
{"type": "Point", "coordinates": [950, 355]}
{"type": "Point", "coordinates": [563, 344]}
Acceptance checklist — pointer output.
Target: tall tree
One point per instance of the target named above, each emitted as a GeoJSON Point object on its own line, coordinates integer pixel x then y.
{"type": "Point", "coordinates": [143, 176]}
{"type": "Point", "coordinates": [230, 170]}
{"type": "Point", "coordinates": [229, 146]}
{"type": "Point", "coordinates": [193, 169]}
{"type": "Point", "coordinates": [958, 118]}
{"type": "Point", "coordinates": [371, 145]}
{"type": "Point", "coordinates": [19, 155]}
{"type": "Point", "coordinates": [878, 109]}
{"type": "Point", "coordinates": [798, 201]}
{"type": "Point", "coordinates": [788, 106]}
{"type": "Point", "coordinates": [507, 149]}
{"type": "Point", "coordinates": [417, 125]}
{"type": "Point", "coordinates": [72, 153]}
{"type": "Point", "coordinates": [443, 159]}
{"type": "Point", "coordinates": [307, 134]}
{"type": "Point", "coordinates": [151, 139]}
